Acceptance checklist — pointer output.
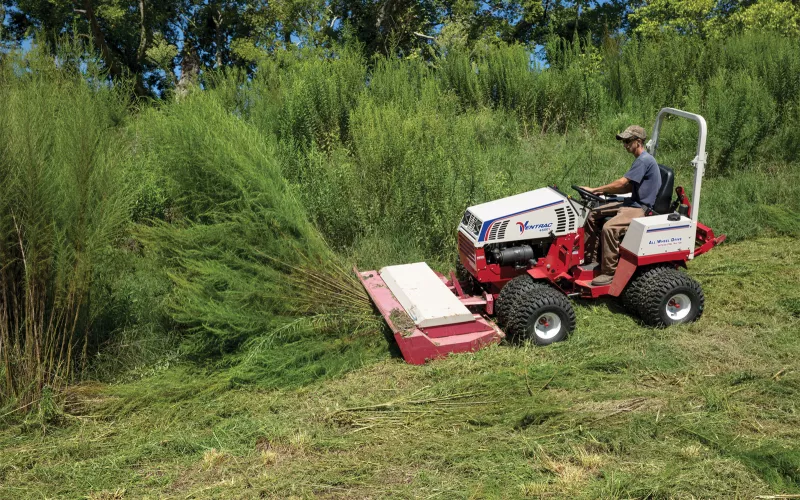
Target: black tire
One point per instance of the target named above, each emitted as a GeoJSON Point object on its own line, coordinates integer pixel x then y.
{"type": "Point", "coordinates": [532, 307]}
{"type": "Point", "coordinates": [663, 296]}
{"type": "Point", "coordinates": [633, 294]}
{"type": "Point", "coordinates": [511, 289]}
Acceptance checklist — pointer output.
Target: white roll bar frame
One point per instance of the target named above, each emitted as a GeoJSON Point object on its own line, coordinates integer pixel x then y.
{"type": "Point", "coordinates": [699, 161]}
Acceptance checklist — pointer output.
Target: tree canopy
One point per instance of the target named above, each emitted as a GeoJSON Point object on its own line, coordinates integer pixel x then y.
{"type": "Point", "coordinates": [165, 45]}
{"type": "Point", "coordinates": [716, 18]}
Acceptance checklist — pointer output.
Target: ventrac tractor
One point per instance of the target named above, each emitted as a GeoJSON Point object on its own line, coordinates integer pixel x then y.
{"type": "Point", "coordinates": [522, 257]}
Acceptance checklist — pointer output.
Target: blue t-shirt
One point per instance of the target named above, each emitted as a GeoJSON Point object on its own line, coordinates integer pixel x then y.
{"type": "Point", "coordinates": [646, 178]}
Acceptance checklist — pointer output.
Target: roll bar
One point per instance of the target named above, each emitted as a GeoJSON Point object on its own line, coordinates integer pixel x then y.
{"type": "Point", "coordinates": [699, 161]}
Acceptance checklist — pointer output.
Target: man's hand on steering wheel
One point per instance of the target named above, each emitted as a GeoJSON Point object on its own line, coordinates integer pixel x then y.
{"type": "Point", "coordinates": [588, 195]}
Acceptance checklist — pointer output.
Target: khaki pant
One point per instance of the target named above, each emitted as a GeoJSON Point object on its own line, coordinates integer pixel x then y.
{"type": "Point", "coordinates": [613, 232]}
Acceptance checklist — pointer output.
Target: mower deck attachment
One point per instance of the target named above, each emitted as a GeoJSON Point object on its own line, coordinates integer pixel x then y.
{"type": "Point", "coordinates": [427, 313]}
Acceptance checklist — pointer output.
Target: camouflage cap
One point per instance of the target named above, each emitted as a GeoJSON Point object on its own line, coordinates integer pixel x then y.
{"type": "Point", "coordinates": [634, 131]}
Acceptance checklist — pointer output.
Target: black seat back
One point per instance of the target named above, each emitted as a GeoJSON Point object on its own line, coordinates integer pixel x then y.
{"type": "Point", "coordinates": [664, 196]}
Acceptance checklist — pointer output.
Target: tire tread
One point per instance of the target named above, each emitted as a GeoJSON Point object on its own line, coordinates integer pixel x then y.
{"type": "Point", "coordinates": [507, 294]}
{"type": "Point", "coordinates": [528, 297]}
{"type": "Point", "coordinates": [655, 285]}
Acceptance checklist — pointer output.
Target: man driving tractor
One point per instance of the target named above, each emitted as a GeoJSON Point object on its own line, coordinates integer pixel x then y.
{"type": "Point", "coordinates": [642, 180]}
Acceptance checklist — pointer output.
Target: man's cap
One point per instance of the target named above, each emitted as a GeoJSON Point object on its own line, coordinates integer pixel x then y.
{"type": "Point", "coordinates": [632, 132]}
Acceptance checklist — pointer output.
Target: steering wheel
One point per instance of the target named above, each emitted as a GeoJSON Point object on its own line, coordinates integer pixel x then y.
{"type": "Point", "coordinates": [586, 195]}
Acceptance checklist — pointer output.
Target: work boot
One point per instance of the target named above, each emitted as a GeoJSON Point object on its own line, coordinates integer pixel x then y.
{"type": "Point", "coordinates": [603, 279]}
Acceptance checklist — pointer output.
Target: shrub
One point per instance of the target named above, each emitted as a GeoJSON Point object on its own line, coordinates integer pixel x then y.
{"type": "Point", "coordinates": [62, 206]}
{"type": "Point", "coordinates": [243, 257]}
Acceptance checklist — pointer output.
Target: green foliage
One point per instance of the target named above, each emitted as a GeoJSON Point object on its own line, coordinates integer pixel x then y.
{"type": "Point", "coordinates": [746, 87]}
{"type": "Point", "coordinates": [241, 252]}
{"type": "Point", "coordinates": [741, 113]}
{"type": "Point", "coordinates": [505, 77]}
{"type": "Point", "coordinates": [139, 334]}
{"type": "Point", "coordinates": [62, 207]}
{"type": "Point", "coordinates": [715, 19]}
{"type": "Point", "coordinates": [780, 16]}
{"type": "Point", "coordinates": [645, 76]}
{"type": "Point", "coordinates": [319, 94]}
{"type": "Point", "coordinates": [688, 17]}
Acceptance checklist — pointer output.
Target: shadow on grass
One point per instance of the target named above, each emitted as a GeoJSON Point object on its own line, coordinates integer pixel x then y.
{"type": "Point", "coordinates": [613, 304]}
{"type": "Point", "coordinates": [394, 349]}
{"type": "Point", "coordinates": [777, 465]}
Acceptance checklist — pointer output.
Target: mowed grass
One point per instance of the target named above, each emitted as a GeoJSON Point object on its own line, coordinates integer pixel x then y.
{"type": "Point", "coordinates": [709, 409]}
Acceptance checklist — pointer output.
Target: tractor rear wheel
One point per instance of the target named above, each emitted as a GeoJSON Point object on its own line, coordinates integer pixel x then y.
{"type": "Point", "coordinates": [536, 311]}
{"type": "Point", "coordinates": [666, 296]}
{"type": "Point", "coordinates": [633, 294]}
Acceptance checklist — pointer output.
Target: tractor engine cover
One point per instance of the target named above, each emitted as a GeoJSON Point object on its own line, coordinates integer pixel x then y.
{"type": "Point", "coordinates": [509, 222]}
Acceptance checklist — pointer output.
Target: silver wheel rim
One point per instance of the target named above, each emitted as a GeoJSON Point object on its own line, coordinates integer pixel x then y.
{"type": "Point", "coordinates": [678, 306]}
{"type": "Point", "coordinates": [547, 326]}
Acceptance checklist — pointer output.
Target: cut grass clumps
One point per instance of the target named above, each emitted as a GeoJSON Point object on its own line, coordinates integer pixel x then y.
{"type": "Point", "coordinates": [240, 251]}
{"type": "Point", "coordinates": [707, 410]}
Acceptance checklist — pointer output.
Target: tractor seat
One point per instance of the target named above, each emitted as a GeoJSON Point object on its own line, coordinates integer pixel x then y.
{"type": "Point", "coordinates": [664, 196]}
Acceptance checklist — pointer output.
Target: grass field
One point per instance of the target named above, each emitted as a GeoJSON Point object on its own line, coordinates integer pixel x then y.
{"type": "Point", "coordinates": [710, 409]}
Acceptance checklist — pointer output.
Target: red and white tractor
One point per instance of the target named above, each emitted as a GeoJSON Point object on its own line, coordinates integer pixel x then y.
{"type": "Point", "coordinates": [522, 257]}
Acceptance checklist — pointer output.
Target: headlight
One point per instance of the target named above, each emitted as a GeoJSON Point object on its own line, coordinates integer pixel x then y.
{"type": "Point", "coordinates": [472, 223]}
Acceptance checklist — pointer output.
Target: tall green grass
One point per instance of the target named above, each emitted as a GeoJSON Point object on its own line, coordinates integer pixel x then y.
{"type": "Point", "coordinates": [62, 206]}
{"type": "Point", "coordinates": [747, 87]}
{"type": "Point", "coordinates": [242, 255]}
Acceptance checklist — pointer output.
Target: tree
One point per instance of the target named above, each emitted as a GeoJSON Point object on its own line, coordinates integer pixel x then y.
{"type": "Point", "coordinates": [386, 26]}
{"type": "Point", "coordinates": [716, 18]}
{"type": "Point", "coordinates": [533, 22]}
{"type": "Point", "coordinates": [121, 30]}
{"type": "Point", "coordinates": [773, 15]}
{"type": "Point", "coordinates": [167, 44]}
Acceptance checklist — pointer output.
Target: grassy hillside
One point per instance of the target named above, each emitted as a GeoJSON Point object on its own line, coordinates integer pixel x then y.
{"type": "Point", "coordinates": [706, 410]}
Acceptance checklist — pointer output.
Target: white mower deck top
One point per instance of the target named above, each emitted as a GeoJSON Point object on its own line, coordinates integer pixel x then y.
{"type": "Point", "coordinates": [424, 295]}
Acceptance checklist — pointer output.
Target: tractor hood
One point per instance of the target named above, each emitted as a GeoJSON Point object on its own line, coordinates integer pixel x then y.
{"type": "Point", "coordinates": [513, 205]}
{"type": "Point", "coordinates": [532, 215]}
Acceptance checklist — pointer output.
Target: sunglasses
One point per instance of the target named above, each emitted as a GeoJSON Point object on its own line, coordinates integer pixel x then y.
{"type": "Point", "coordinates": [628, 141]}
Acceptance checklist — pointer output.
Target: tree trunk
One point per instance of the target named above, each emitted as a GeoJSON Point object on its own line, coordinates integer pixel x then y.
{"type": "Point", "coordinates": [218, 38]}
{"type": "Point", "coordinates": [100, 40]}
{"type": "Point", "coordinates": [141, 52]}
{"type": "Point", "coordinates": [115, 69]}
{"type": "Point", "coordinates": [190, 68]}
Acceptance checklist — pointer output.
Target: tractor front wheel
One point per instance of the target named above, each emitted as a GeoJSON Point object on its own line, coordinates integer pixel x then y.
{"type": "Point", "coordinates": [506, 301]}
{"type": "Point", "coordinates": [537, 312]}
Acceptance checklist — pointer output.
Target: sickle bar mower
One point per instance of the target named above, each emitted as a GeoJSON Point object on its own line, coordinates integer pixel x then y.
{"type": "Point", "coordinates": [429, 314]}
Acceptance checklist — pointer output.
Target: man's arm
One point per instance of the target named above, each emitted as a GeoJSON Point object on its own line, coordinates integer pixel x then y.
{"type": "Point", "coordinates": [620, 186]}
